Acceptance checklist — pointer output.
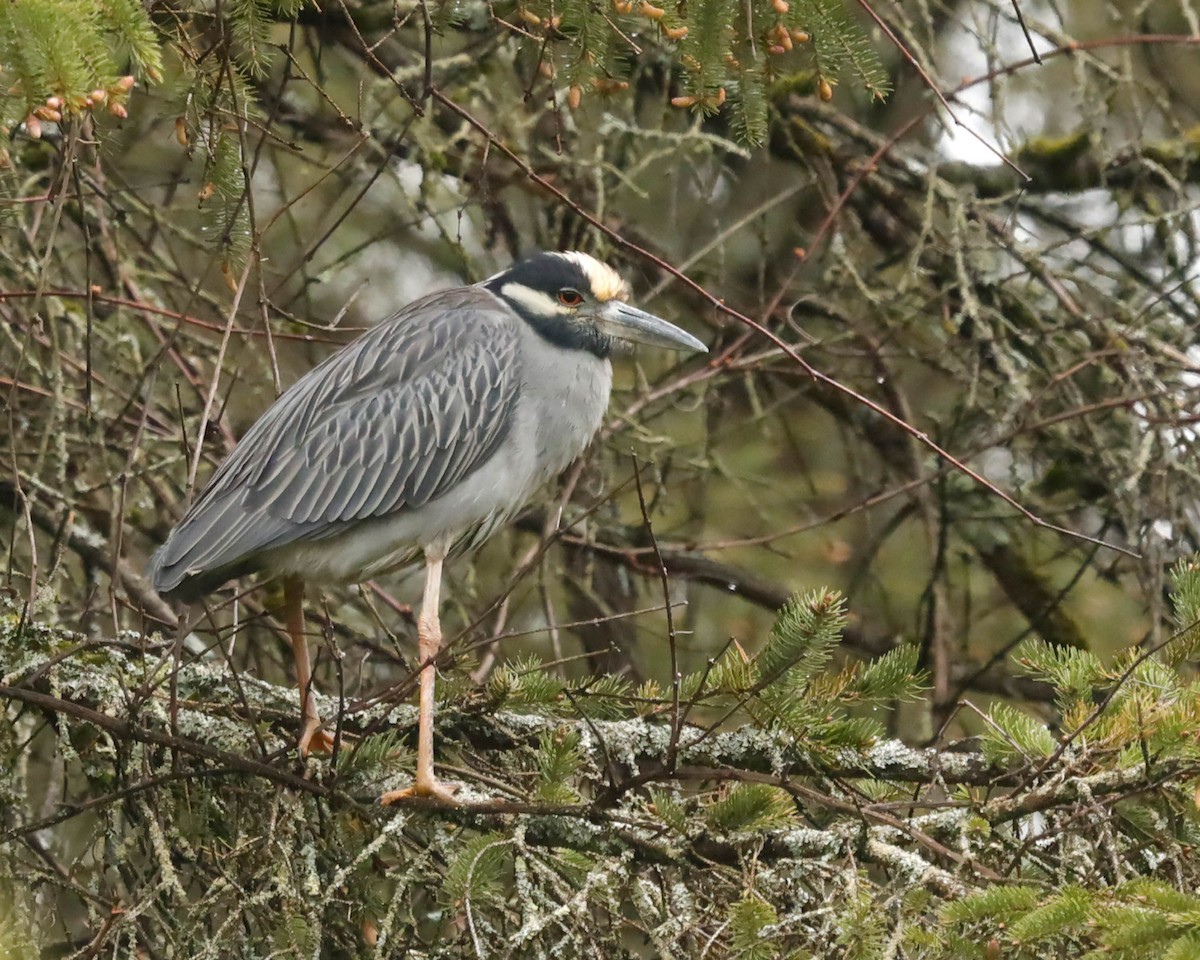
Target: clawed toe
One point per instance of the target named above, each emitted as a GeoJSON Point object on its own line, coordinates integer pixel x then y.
{"type": "Point", "coordinates": [316, 739]}
{"type": "Point", "coordinates": [436, 790]}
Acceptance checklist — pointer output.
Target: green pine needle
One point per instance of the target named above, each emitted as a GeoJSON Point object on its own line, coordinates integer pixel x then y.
{"type": "Point", "coordinates": [1128, 926]}
{"type": "Point", "coordinates": [1186, 947]}
{"type": "Point", "coordinates": [478, 870]}
{"type": "Point", "coordinates": [751, 806]}
{"type": "Point", "coordinates": [250, 21]}
{"type": "Point", "coordinates": [1073, 672]}
{"type": "Point", "coordinates": [1185, 602]}
{"type": "Point", "coordinates": [134, 32]}
{"type": "Point", "coordinates": [67, 49]}
{"type": "Point", "coordinates": [749, 922]}
{"type": "Point", "coordinates": [224, 210]}
{"type": "Point", "coordinates": [707, 44]}
{"type": "Point", "coordinates": [669, 810]}
{"type": "Point", "coordinates": [848, 732]}
{"type": "Point", "coordinates": [559, 757]}
{"type": "Point", "coordinates": [894, 676]}
{"type": "Point", "coordinates": [1060, 915]}
{"type": "Point", "coordinates": [841, 45]}
{"type": "Point", "coordinates": [994, 903]}
{"type": "Point", "coordinates": [803, 639]}
{"type": "Point", "coordinates": [749, 95]}
{"type": "Point", "coordinates": [601, 698]}
{"type": "Point", "coordinates": [1015, 735]}
{"type": "Point", "coordinates": [524, 682]}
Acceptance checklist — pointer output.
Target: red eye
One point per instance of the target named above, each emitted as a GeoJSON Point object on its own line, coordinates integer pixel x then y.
{"type": "Point", "coordinates": [570, 298]}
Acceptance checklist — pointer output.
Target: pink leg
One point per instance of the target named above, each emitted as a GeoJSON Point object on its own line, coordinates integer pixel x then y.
{"type": "Point", "coordinates": [312, 735]}
{"type": "Point", "coordinates": [429, 642]}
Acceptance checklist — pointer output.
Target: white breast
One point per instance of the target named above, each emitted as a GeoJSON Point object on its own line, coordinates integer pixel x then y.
{"type": "Point", "coordinates": [564, 395]}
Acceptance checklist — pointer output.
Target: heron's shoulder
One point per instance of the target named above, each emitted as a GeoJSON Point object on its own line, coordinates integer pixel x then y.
{"type": "Point", "coordinates": [459, 307]}
{"type": "Point", "coordinates": [461, 326]}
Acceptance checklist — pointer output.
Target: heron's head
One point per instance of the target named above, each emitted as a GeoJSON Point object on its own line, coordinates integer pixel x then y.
{"type": "Point", "coordinates": [577, 302]}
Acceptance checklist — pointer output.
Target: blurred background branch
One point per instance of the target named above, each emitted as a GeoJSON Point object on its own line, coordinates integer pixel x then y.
{"type": "Point", "coordinates": [791, 162]}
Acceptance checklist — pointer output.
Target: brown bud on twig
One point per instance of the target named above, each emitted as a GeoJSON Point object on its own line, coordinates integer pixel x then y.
{"type": "Point", "coordinates": [45, 113]}
{"type": "Point", "coordinates": [650, 10]}
{"type": "Point", "coordinates": [181, 131]}
{"type": "Point", "coordinates": [623, 6]}
{"type": "Point", "coordinates": [125, 84]}
{"type": "Point", "coordinates": [800, 36]}
{"type": "Point", "coordinates": [780, 6]}
{"type": "Point", "coordinates": [99, 95]}
{"type": "Point", "coordinates": [546, 69]}
{"type": "Point", "coordinates": [825, 89]}
{"type": "Point", "coordinates": [717, 98]}
{"type": "Point", "coordinates": [776, 50]}
{"type": "Point", "coordinates": [54, 103]}
{"type": "Point", "coordinates": [574, 96]}
{"type": "Point", "coordinates": [206, 191]}
{"type": "Point", "coordinates": [33, 127]}
{"type": "Point", "coordinates": [118, 110]}
{"type": "Point", "coordinates": [609, 85]}
{"type": "Point", "coordinates": [684, 102]}
{"type": "Point", "coordinates": [529, 17]}
{"type": "Point", "coordinates": [675, 33]}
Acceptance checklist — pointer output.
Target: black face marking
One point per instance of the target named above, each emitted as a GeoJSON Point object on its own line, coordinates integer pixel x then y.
{"type": "Point", "coordinates": [546, 272]}
{"type": "Point", "coordinates": [550, 274]}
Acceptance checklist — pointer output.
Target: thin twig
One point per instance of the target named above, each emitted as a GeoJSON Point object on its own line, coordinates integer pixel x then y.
{"type": "Point", "coordinates": [672, 637]}
{"type": "Point", "coordinates": [719, 304]}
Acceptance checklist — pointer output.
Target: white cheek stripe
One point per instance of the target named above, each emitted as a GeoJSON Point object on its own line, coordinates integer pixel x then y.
{"type": "Point", "coordinates": [536, 302]}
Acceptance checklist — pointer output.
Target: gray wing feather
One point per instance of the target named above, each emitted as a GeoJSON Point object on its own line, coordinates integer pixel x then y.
{"type": "Point", "coordinates": [392, 421]}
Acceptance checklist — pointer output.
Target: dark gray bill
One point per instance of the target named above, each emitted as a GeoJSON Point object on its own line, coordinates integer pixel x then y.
{"type": "Point", "coordinates": [623, 322]}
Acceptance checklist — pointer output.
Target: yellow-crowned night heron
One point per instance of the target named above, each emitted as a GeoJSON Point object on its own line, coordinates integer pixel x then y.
{"type": "Point", "coordinates": [422, 436]}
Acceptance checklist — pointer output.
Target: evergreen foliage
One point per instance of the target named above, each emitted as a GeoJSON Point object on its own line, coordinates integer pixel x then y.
{"type": "Point", "coordinates": [62, 59]}
{"type": "Point", "coordinates": [748, 807]}
{"type": "Point", "coordinates": [750, 921]}
{"type": "Point", "coordinates": [840, 46]}
{"type": "Point", "coordinates": [803, 639]}
{"type": "Point", "coordinates": [785, 686]}
{"type": "Point", "coordinates": [1013, 734]}
{"type": "Point", "coordinates": [1135, 920]}
{"type": "Point", "coordinates": [1073, 671]}
{"type": "Point", "coordinates": [1186, 608]}
{"type": "Point", "coordinates": [761, 804]}
{"type": "Point", "coordinates": [587, 869]}
{"type": "Point", "coordinates": [477, 871]}
{"type": "Point", "coordinates": [559, 758]}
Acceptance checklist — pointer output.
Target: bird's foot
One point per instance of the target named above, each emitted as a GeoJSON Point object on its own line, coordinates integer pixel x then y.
{"type": "Point", "coordinates": [314, 738]}
{"type": "Point", "coordinates": [427, 789]}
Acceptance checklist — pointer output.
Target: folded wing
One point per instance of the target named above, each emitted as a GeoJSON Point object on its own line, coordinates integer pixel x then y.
{"type": "Point", "coordinates": [391, 422]}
